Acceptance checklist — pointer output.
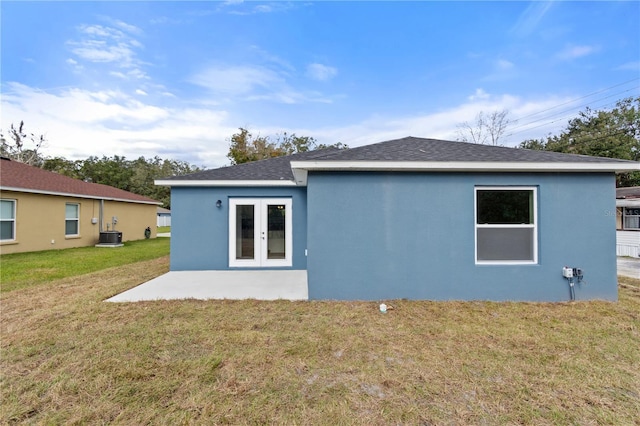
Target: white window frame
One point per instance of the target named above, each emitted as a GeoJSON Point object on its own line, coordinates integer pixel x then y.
{"type": "Point", "coordinates": [13, 220]}
{"type": "Point", "coordinates": [260, 259]}
{"type": "Point", "coordinates": [66, 219]}
{"type": "Point", "coordinates": [533, 226]}
{"type": "Point", "coordinates": [625, 216]}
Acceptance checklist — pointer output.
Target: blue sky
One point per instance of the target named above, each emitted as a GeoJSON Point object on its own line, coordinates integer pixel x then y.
{"type": "Point", "coordinates": [177, 79]}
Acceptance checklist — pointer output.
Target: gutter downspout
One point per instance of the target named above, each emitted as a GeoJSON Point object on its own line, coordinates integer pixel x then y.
{"type": "Point", "coordinates": [101, 213]}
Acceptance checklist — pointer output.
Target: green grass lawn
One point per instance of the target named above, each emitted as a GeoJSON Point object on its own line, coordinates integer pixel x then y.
{"type": "Point", "coordinates": [162, 229]}
{"type": "Point", "coordinates": [67, 357]}
{"type": "Point", "coordinates": [27, 269]}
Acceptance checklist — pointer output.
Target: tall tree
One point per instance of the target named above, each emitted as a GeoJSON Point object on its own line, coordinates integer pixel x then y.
{"type": "Point", "coordinates": [136, 176]}
{"type": "Point", "coordinates": [244, 147]}
{"type": "Point", "coordinates": [613, 133]}
{"type": "Point", "coordinates": [17, 146]}
{"type": "Point", "coordinates": [487, 128]}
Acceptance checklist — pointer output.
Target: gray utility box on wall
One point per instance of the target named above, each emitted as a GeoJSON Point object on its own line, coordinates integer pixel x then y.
{"type": "Point", "coordinates": [110, 237]}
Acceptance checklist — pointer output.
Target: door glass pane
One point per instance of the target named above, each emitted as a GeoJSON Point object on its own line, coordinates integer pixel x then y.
{"type": "Point", "coordinates": [245, 231]}
{"type": "Point", "coordinates": [276, 231]}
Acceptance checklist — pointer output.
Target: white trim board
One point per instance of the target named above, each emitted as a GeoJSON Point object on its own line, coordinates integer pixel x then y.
{"type": "Point", "coordinates": [301, 168]}
{"type": "Point", "coordinates": [225, 183]}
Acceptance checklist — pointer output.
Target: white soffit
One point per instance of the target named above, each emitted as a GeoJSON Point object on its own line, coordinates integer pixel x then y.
{"type": "Point", "coordinates": [224, 183]}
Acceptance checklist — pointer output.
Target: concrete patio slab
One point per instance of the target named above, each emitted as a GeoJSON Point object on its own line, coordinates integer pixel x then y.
{"type": "Point", "coordinates": [260, 285]}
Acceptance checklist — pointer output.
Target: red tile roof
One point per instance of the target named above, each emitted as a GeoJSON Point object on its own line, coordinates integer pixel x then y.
{"type": "Point", "coordinates": [22, 177]}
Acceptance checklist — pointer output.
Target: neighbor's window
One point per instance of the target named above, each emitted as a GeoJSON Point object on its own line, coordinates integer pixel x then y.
{"type": "Point", "coordinates": [72, 220]}
{"type": "Point", "coordinates": [631, 218]}
{"type": "Point", "coordinates": [506, 225]}
{"type": "Point", "coordinates": [7, 220]}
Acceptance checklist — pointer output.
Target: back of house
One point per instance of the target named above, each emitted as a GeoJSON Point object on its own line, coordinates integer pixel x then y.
{"type": "Point", "coordinates": [409, 218]}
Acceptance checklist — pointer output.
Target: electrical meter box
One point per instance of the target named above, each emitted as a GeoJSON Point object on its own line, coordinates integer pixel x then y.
{"type": "Point", "coordinates": [567, 272]}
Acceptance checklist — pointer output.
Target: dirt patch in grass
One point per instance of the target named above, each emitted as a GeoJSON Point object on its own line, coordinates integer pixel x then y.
{"type": "Point", "coordinates": [67, 357]}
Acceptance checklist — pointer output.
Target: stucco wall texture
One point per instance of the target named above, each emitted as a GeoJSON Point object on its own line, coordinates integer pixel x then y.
{"type": "Point", "coordinates": [40, 221]}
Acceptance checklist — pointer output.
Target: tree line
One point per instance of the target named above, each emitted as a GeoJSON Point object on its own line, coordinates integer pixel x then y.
{"type": "Point", "coordinates": [135, 176]}
{"type": "Point", "coordinates": [613, 133]}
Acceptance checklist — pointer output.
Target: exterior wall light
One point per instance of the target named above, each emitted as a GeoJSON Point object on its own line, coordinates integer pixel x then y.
{"type": "Point", "coordinates": [219, 203]}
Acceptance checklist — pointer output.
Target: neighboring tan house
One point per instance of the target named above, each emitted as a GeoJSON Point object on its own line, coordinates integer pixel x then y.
{"type": "Point", "coordinates": [164, 217]}
{"type": "Point", "coordinates": [409, 218]}
{"type": "Point", "coordinates": [628, 221]}
{"type": "Point", "coordinates": [42, 210]}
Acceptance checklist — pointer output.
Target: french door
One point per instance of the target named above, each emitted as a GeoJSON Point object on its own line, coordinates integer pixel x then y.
{"type": "Point", "coordinates": [260, 232]}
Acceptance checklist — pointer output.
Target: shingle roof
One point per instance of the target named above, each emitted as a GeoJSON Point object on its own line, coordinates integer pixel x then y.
{"type": "Point", "coordinates": [408, 149]}
{"type": "Point", "coordinates": [421, 149]}
{"type": "Point", "coordinates": [278, 168]}
{"type": "Point", "coordinates": [22, 177]}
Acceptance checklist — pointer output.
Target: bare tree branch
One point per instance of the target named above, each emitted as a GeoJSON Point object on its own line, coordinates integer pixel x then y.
{"type": "Point", "coordinates": [489, 127]}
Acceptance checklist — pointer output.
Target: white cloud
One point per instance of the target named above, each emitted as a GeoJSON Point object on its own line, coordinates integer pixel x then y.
{"type": "Point", "coordinates": [629, 66]}
{"type": "Point", "coordinates": [100, 51]}
{"type": "Point", "coordinates": [503, 65]}
{"type": "Point", "coordinates": [141, 92]}
{"type": "Point", "coordinates": [236, 80]}
{"type": "Point", "coordinates": [573, 52]}
{"type": "Point", "coordinates": [321, 72]}
{"type": "Point", "coordinates": [80, 123]}
{"type": "Point", "coordinates": [99, 44]}
{"type": "Point", "coordinates": [443, 124]}
{"type": "Point", "coordinates": [132, 29]}
{"type": "Point", "coordinates": [479, 94]}
{"type": "Point", "coordinates": [253, 83]}
{"type": "Point", "coordinates": [529, 20]}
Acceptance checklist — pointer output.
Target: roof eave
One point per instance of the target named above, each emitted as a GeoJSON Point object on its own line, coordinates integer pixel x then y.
{"type": "Point", "coordinates": [69, 194]}
{"type": "Point", "coordinates": [301, 168]}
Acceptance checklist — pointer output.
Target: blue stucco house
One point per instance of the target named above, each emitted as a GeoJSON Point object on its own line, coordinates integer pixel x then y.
{"type": "Point", "coordinates": [409, 218]}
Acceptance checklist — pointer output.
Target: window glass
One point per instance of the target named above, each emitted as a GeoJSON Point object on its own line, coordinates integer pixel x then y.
{"type": "Point", "coordinates": [72, 223]}
{"type": "Point", "coordinates": [7, 220]}
{"type": "Point", "coordinates": [505, 244]}
{"type": "Point", "coordinates": [631, 218]}
{"type": "Point", "coordinates": [505, 225]}
{"type": "Point", "coordinates": [6, 209]}
{"type": "Point", "coordinates": [505, 206]}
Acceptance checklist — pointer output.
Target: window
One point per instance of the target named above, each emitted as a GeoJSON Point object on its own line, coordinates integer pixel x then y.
{"type": "Point", "coordinates": [7, 220]}
{"type": "Point", "coordinates": [631, 218]}
{"type": "Point", "coordinates": [506, 225]}
{"type": "Point", "coordinates": [72, 220]}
